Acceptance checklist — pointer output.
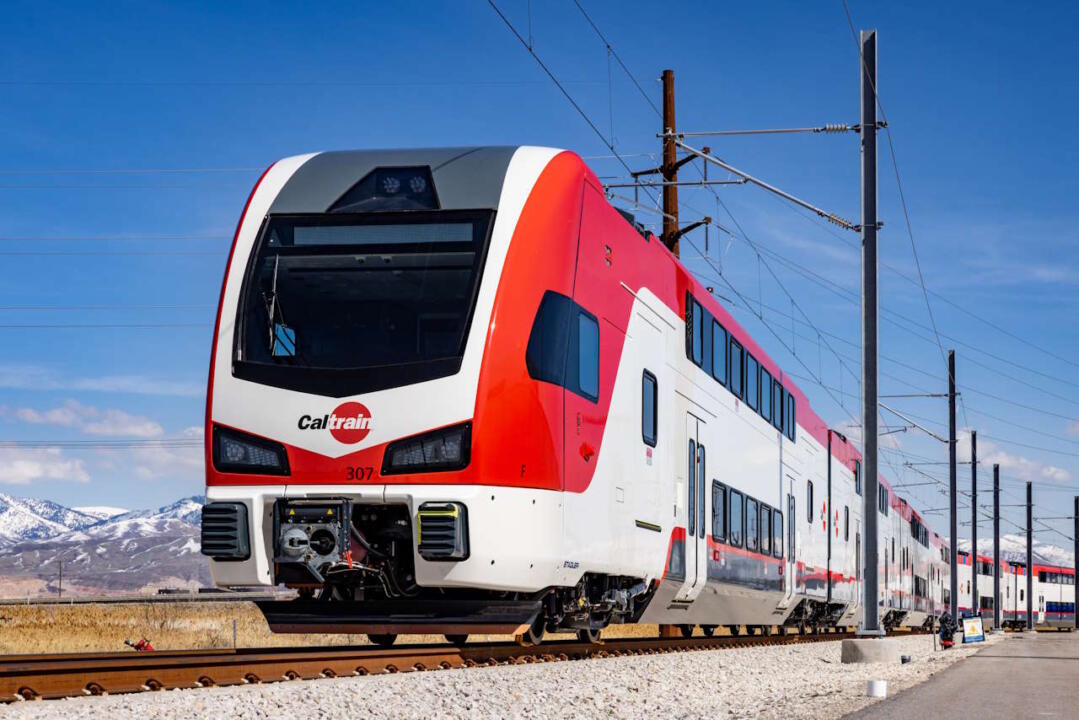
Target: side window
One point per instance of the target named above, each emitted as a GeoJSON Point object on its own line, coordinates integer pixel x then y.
{"type": "Point", "coordinates": [649, 397]}
{"type": "Point", "coordinates": [791, 507]}
{"type": "Point", "coordinates": [777, 401]}
{"type": "Point", "coordinates": [766, 395]}
{"type": "Point", "coordinates": [752, 378]}
{"type": "Point", "coordinates": [719, 353]}
{"type": "Point", "coordinates": [766, 529]}
{"type": "Point", "coordinates": [858, 476]}
{"type": "Point", "coordinates": [588, 357]}
{"type": "Point", "coordinates": [893, 549]}
{"type": "Point", "coordinates": [777, 533]}
{"type": "Point", "coordinates": [858, 556]}
{"type": "Point", "coordinates": [809, 501]}
{"type": "Point", "coordinates": [694, 330]}
{"type": "Point", "coordinates": [792, 420]}
{"type": "Point", "coordinates": [701, 475]}
{"type": "Point", "coordinates": [563, 346]}
{"type": "Point", "coordinates": [846, 523]}
{"type": "Point", "coordinates": [737, 518]}
{"type": "Point", "coordinates": [719, 511]}
{"type": "Point", "coordinates": [752, 525]}
{"type": "Point", "coordinates": [736, 365]}
{"type": "Point", "coordinates": [691, 487]}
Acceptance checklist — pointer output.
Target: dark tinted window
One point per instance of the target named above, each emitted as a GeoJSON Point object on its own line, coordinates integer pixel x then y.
{"type": "Point", "coordinates": [588, 356]}
{"type": "Point", "coordinates": [719, 353]}
{"type": "Point", "coordinates": [777, 401]}
{"type": "Point", "coordinates": [766, 530]}
{"type": "Point", "coordinates": [766, 395]}
{"type": "Point", "coordinates": [649, 396]}
{"type": "Point", "coordinates": [752, 378]}
{"type": "Point", "coordinates": [858, 477]}
{"type": "Point", "coordinates": [846, 523]}
{"type": "Point", "coordinates": [719, 511]}
{"type": "Point", "coordinates": [691, 486]}
{"type": "Point", "coordinates": [694, 330]}
{"type": "Point", "coordinates": [777, 533]}
{"type": "Point", "coordinates": [737, 516]}
{"type": "Point", "coordinates": [809, 501]}
{"type": "Point", "coordinates": [752, 524]}
{"type": "Point", "coordinates": [736, 365]}
{"type": "Point", "coordinates": [563, 347]}
{"type": "Point", "coordinates": [792, 425]}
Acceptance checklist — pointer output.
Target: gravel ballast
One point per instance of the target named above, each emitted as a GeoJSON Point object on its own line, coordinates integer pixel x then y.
{"type": "Point", "coordinates": [789, 681]}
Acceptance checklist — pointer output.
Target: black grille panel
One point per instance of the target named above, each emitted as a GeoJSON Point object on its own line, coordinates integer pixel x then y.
{"type": "Point", "coordinates": [224, 531]}
{"type": "Point", "coordinates": [443, 531]}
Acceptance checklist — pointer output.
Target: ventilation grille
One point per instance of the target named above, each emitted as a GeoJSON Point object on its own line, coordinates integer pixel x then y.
{"type": "Point", "coordinates": [224, 531]}
{"type": "Point", "coordinates": [443, 531]}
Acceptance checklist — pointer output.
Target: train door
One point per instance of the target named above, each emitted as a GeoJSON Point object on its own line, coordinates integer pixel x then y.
{"type": "Point", "coordinates": [694, 460]}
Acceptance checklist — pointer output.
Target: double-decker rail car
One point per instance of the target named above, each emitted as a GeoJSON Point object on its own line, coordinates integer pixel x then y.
{"type": "Point", "coordinates": [1054, 596]}
{"type": "Point", "coordinates": [456, 391]}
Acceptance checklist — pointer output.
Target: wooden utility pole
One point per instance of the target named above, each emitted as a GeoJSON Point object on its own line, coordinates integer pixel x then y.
{"type": "Point", "coordinates": [669, 167]}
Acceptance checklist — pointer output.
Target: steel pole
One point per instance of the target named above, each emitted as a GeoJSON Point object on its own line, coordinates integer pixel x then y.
{"type": "Point", "coordinates": [974, 522]}
{"type": "Point", "coordinates": [1030, 557]}
{"type": "Point", "coordinates": [996, 546]}
{"type": "Point", "coordinates": [1075, 578]}
{"type": "Point", "coordinates": [670, 166]}
{"type": "Point", "coordinates": [953, 547]}
{"type": "Point", "coordinates": [870, 611]}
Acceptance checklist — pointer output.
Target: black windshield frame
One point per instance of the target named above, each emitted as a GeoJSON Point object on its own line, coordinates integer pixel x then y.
{"type": "Point", "coordinates": [342, 382]}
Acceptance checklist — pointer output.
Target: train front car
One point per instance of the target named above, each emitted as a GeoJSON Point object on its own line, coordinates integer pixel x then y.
{"type": "Point", "coordinates": [390, 395]}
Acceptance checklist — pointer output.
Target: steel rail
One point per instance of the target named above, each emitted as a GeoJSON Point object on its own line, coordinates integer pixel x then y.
{"type": "Point", "coordinates": [32, 677]}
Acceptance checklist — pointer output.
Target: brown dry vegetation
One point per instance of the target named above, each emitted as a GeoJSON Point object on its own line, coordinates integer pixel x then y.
{"type": "Point", "coordinates": [102, 627]}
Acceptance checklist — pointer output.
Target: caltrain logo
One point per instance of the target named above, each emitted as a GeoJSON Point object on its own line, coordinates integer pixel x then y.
{"type": "Point", "coordinates": [349, 423]}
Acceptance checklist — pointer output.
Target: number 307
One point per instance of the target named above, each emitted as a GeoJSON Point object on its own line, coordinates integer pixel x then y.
{"type": "Point", "coordinates": [358, 473]}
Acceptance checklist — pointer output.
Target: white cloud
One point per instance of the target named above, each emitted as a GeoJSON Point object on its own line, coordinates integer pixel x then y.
{"type": "Point", "coordinates": [154, 461]}
{"type": "Point", "coordinates": [1018, 466]}
{"type": "Point", "coordinates": [91, 420]}
{"type": "Point", "coordinates": [35, 377]}
{"type": "Point", "coordinates": [22, 466]}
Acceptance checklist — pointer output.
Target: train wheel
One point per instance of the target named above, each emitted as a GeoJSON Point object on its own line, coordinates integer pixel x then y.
{"type": "Point", "coordinates": [457, 640]}
{"type": "Point", "coordinates": [751, 629]}
{"type": "Point", "coordinates": [686, 630]}
{"type": "Point", "coordinates": [591, 635]}
{"type": "Point", "coordinates": [734, 630]}
{"type": "Point", "coordinates": [383, 640]}
{"type": "Point", "coordinates": [801, 629]}
{"type": "Point", "coordinates": [708, 630]}
{"type": "Point", "coordinates": [766, 630]}
{"type": "Point", "coordinates": [533, 635]}
{"type": "Point", "coordinates": [781, 630]}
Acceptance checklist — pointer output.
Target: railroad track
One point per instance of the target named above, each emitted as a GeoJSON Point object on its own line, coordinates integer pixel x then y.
{"type": "Point", "coordinates": [33, 677]}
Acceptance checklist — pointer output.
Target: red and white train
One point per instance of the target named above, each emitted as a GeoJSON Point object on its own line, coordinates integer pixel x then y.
{"type": "Point", "coordinates": [455, 390]}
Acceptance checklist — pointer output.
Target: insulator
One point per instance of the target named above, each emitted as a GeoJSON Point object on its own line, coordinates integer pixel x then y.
{"type": "Point", "coordinates": [836, 128]}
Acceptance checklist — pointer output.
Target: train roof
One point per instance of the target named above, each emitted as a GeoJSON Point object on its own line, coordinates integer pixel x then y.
{"type": "Point", "coordinates": [464, 178]}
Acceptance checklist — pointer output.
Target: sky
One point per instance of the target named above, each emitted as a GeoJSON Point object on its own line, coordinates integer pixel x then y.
{"type": "Point", "coordinates": [131, 134]}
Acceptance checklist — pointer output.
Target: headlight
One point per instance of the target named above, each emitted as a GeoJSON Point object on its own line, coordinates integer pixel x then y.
{"type": "Point", "coordinates": [446, 449]}
{"type": "Point", "coordinates": [234, 451]}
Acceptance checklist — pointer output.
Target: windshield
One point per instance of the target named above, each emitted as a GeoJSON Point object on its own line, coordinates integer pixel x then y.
{"type": "Point", "coordinates": [341, 304]}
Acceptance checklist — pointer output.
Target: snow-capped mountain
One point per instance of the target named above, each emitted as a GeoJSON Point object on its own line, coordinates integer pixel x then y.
{"type": "Point", "coordinates": [32, 519]}
{"type": "Point", "coordinates": [102, 550]}
{"type": "Point", "coordinates": [1013, 548]}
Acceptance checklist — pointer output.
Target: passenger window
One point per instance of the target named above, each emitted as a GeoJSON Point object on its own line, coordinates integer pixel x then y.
{"type": "Point", "coordinates": [777, 402]}
{"type": "Point", "coordinates": [766, 395]}
{"type": "Point", "coordinates": [791, 507]}
{"type": "Point", "coordinates": [752, 378]}
{"type": "Point", "coordinates": [736, 366]}
{"type": "Point", "coordinates": [777, 533]}
{"type": "Point", "coordinates": [846, 523]}
{"type": "Point", "coordinates": [588, 357]}
{"type": "Point", "coordinates": [719, 512]}
{"type": "Point", "coordinates": [694, 330]}
{"type": "Point", "coordinates": [792, 424]}
{"type": "Point", "coordinates": [809, 501]}
{"type": "Point", "coordinates": [691, 481]}
{"type": "Point", "coordinates": [737, 518]}
{"type": "Point", "coordinates": [766, 529]}
{"type": "Point", "coordinates": [648, 408]}
{"type": "Point", "coordinates": [752, 525]}
{"type": "Point", "coordinates": [858, 477]}
{"type": "Point", "coordinates": [701, 475]}
{"type": "Point", "coordinates": [719, 353]}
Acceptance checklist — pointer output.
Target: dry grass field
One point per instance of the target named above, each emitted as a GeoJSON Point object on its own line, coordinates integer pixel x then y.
{"type": "Point", "coordinates": [26, 629]}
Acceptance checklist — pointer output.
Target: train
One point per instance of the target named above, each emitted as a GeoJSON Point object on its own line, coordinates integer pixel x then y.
{"type": "Point", "coordinates": [456, 391]}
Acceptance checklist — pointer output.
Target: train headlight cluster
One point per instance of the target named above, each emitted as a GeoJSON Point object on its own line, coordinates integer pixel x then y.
{"type": "Point", "coordinates": [238, 452]}
{"type": "Point", "coordinates": [446, 449]}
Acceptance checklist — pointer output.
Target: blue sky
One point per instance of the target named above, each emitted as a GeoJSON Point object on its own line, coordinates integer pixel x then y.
{"type": "Point", "coordinates": [134, 131]}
